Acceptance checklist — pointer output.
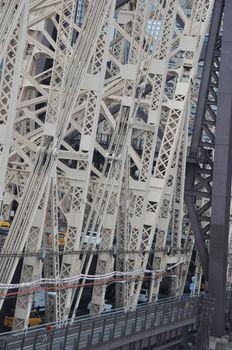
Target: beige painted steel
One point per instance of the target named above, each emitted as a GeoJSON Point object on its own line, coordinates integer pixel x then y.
{"type": "Point", "coordinates": [85, 149]}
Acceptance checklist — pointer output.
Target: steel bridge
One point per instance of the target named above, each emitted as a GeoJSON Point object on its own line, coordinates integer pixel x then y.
{"type": "Point", "coordinates": [116, 166]}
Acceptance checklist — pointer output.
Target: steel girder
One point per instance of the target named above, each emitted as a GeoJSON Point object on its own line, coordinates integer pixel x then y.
{"type": "Point", "coordinates": [44, 161]}
{"type": "Point", "coordinates": [222, 179]}
{"type": "Point", "coordinates": [199, 170]}
{"type": "Point", "coordinates": [73, 176]}
{"type": "Point", "coordinates": [208, 176]}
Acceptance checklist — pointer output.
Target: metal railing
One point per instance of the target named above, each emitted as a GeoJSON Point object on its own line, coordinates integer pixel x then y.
{"type": "Point", "coordinates": [88, 317]}
{"type": "Point", "coordinates": [87, 332]}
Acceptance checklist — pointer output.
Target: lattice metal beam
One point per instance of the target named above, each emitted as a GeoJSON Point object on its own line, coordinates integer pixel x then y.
{"type": "Point", "coordinates": [97, 142]}
{"type": "Point", "coordinates": [209, 170]}
{"type": "Point", "coordinates": [199, 170]}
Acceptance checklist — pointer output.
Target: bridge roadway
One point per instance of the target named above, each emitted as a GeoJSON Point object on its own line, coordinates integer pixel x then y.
{"type": "Point", "coordinates": [161, 324]}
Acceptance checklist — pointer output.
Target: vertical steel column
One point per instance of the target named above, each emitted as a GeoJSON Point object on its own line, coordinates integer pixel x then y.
{"type": "Point", "coordinates": [199, 169]}
{"type": "Point", "coordinates": [209, 166]}
{"type": "Point", "coordinates": [222, 180]}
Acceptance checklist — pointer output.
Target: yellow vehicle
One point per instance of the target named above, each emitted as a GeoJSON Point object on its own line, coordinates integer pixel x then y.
{"type": "Point", "coordinates": [34, 320]}
{"type": "Point", "coordinates": [4, 223]}
{"type": "Point", "coordinates": [61, 238]}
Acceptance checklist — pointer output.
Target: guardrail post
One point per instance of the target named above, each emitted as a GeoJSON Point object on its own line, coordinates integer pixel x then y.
{"type": "Point", "coordinates": [79, 334]}
{"type": "Point", "coordinates": [167, 311]}
{"type": "Point", "coordinates": [135, 323]}
{"type": "Point", "coordinates": [114, 326]}
{"type": "Point", "coordinates": [145, 318]}
{"type": "Point", "coordinates": [51, 339]}
{"type": "Point", "coordinates": [191, 306]}
{"type": "Point", "coordinates": [103, 330]}
{"type": "Point", "coordinates": [162, 318]}
{"type": "Point", "coordinates": [179, 309]}
{"type": "Point", "coordinates": [171, 310]}
{"type": "Point", "coordinates": [35, 341]}
{"type": "Point", "coordinates": [90, 338]}
{"type": "Point", "coordinates": [65, 337]}
{"type": "Point", "coordinates": [154, 315]}
{"type": "Point", "coordinates": [176, 308]}
{"type": "Point", "coordinates": [23, 340]}
{"type": "Point", "coordinates": [125, 320]}
{"type": "Point", "coordinates": [75, 346]}
{"type": "Point", "coordinates": [110, 335]}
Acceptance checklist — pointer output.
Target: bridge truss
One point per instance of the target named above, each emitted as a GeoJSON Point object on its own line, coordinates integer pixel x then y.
{"type": "Point", "coordinates": [97, 104]}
